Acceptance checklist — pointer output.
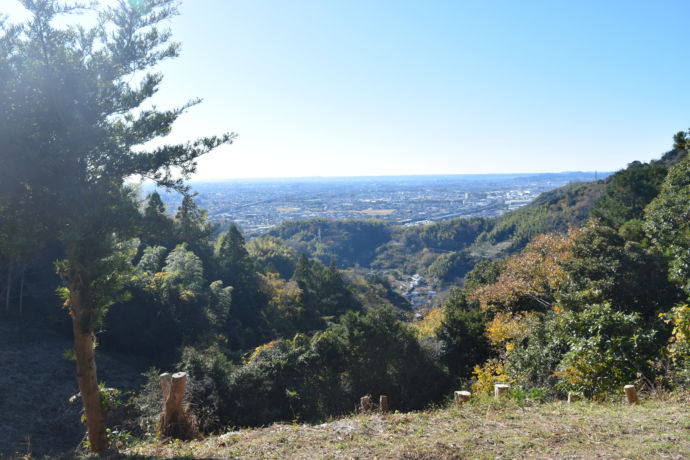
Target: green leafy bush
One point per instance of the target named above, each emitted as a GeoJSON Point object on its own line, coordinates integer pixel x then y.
{"type": "Point", "coordinates": [607, 349]}
{"type": "Point", "coordinates": [667, 221]}
{"type": "Point", "coordinates": [534, 360]}
{"type": "Point", "coordinates": [311, 378]}
{"type": "Point", "coordinates": [604, 267]}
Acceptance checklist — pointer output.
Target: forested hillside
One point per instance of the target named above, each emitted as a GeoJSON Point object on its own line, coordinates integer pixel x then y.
{"type": "Point", "coordinates": [583, 291]}
{"type": "Point", "coordinates": [268, 332]}
{"type": "Point", "coordinates": [444, 251]}
{"type": "Point", "coordinates": [551, 211]}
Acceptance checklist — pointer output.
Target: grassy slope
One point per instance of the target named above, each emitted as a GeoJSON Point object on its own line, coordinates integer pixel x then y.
{"type": "Point", "coordinates": [654, 429]}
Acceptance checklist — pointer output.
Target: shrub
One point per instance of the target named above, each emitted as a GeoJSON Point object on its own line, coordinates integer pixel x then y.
{"type": "Point", "coordinates": [382, 356]}
{"type": "Point", "coordinates": [678, 350]}
{"type": "Point", "coordinates": [667, 222]}
{"type": "Point", "coordinates": [311, 378]}
{"type": "Point", "coordinates": [535, 359]}
{"type": "Point", "coordinates": [607, 349]}
{"type": "Point", "coordinates": [487, 375]}
{"type": "Point", "coordinates": [208, 389]}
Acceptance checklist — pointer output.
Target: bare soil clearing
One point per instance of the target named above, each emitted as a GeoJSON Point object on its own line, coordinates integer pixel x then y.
{"type": "Point", "coordinates": [36, 382]}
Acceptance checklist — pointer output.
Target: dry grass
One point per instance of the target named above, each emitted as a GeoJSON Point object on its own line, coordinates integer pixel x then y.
{"type": "Point", "coordinates": [654, 429]}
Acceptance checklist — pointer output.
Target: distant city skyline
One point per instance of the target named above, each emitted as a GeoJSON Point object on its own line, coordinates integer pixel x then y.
{"type": "Point", "coordinates": [361, 88]}
{"type": "Point", "coordinates": [258, 205]}
{"type": "Point", "coordinates": [595, 175]}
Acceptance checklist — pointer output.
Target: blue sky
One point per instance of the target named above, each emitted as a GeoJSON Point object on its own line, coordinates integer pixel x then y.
{"type": "Point", "coordinates": [350, 87]}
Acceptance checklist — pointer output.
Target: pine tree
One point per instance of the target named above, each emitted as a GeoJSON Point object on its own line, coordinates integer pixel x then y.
{"type": "Point", "coordinates": [237, 269]}
{"type": "Point", "coordinates": [71, 128]}
{"type": "Point", "coordinates": [192, 228]}
{"type": "Point", "coordinates": [157, 227]}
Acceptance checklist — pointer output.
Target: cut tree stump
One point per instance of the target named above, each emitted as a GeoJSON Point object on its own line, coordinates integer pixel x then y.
{"type": "Point", "coordinates": [461, 397]}
{"type": "Point", "coordinates": [365, 404]}
{"type": "Point", "coordinates": [631, 394]}
{"type": "Point", "coordinates": [166, 384]}
{"type": "Point", "coordinates": [174, 421]}
{"type": "Point", "coordinates": [501, 390]}
{"type": "Point", "coordinates": [383, 404]}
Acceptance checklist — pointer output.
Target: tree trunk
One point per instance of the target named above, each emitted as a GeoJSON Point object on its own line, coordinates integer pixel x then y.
{"type": "Point", "coordinates": [9, 288]}
{"type": "Point", "coordinates": [84, 343]}
{"type": "Point", "coordinates": [21, 291]}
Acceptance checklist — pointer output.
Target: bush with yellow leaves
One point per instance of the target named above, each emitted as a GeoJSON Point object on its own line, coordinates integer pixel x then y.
{"type": "Point", "coordinates": [678, 349]}
{"type": "Point", "coordinates": [487, 375]}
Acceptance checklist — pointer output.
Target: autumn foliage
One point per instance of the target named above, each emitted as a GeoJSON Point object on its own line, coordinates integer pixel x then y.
{"type": "Point", "coordinates": [531, 278]}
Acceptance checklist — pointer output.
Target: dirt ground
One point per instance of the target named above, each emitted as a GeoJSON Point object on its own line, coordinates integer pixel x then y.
{"type": "Point", "coordinates": [36, 382]}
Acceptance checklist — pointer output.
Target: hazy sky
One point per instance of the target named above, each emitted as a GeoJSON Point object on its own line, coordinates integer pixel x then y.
{"type": "Point", "coordinates": [374, 87]}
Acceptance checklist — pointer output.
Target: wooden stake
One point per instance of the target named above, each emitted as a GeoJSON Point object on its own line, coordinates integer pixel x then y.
{"type": "Point", "coordinates": [631, 394]}
{"type": "Point", "coordinates": [383, 404]}
{"type": "Point", "coordinates": [365, 404]}
{"type": "Point", "coordinates": [461, 397]}
{"type": "Point", "coordinates": [501, 390]}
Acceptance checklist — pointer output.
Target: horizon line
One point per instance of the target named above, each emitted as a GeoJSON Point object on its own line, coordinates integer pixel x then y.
{"type": "Point", "coordinates": [368, 176]}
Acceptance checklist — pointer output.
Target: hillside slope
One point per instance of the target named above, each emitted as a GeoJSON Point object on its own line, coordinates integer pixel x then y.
{"type": "Point", "coordinates": [36, 383]}
{"type": "Point", "coordinates": [381, 246]}
{"type": "Point", "coordinates": [553, 210]}
{"type": "Point", "coordinates": [556, 430]}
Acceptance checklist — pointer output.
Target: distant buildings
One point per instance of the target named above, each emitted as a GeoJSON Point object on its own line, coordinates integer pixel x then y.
{"type": "Point", "coordinates": [415, 289]}
{"type": "Point", "coordinates": [258, 206]}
